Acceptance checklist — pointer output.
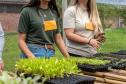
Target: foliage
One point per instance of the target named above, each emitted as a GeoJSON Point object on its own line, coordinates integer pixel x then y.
{"type": "Point", "coordinates": [91, 61]}
{"type": "Point", "coordinates": [48, 68]}
{"type": "Point", "coordinates": [6, 78]}
{"type": "Point", "coordinates": [123, 14]}
{"type": "Point", "coordinates": [59, 3]}
{"type": "Point", "coordinates": [115, 40]}
{"type": "Point", "coordinates": [11, 50]}
{"type": "Point", "coordinates": [107, 12]}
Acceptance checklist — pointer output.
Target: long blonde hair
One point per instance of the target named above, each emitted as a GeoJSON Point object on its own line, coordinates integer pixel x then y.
{"type": "Point", "coordinates": [93, 13]}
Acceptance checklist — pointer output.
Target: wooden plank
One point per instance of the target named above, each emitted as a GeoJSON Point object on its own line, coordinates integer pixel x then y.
{"type": "Point", "coordinates": [98, 79]}
{"type": "Point", "coordinates": [99, 83]}
{"type": "Point", "coordinates": [114, 81]}
{"type": "Point", "coordinates": [99, 74]}
{"type": "Point", "coordinates": [115, 77]}
{"type": "Point", "coordinates": [119, 71]}
{"type": "Point", "coordinates": [107, 81]}
{"type": "Point", "coordinates": [107, 75]}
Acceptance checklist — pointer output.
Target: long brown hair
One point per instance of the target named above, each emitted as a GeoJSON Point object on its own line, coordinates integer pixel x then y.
{"type": "Point", "coordinates": [93, 13]}
{"type": "Point", "coordinates": [36, 3]}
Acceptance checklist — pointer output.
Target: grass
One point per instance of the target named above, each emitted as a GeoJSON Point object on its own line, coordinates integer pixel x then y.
{"type": "Point", "coordinates": [11, 51]}
{"type": "Point", "coordinates": [115, 41]}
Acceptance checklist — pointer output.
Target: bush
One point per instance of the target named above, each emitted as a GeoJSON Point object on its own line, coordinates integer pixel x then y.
{"type": "Point", "coordinates": [6, 78]}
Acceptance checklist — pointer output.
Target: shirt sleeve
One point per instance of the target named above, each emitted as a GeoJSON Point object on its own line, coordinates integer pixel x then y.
{"type": "Point", "coordinates": [1, 41]}
{"type": "Point", "coordinates": [23, 21]}
{"type": "Point", "coordinates": [69, 18]}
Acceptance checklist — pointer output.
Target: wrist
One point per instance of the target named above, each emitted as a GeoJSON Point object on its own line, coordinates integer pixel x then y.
{"type": "Point", "coordinates": [89, 41]}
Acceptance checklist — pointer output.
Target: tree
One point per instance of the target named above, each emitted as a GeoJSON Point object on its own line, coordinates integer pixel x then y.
{"type": "Point", "coordinates": [108, 12]}
{"type": "Point", "coordinates": [123, 14]}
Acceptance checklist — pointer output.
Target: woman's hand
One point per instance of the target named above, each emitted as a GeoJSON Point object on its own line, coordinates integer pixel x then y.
{"type": "Point", "coordinates": [100, 37]}
{"type": "Point", "coordinates": [61, 45]}
{"type": "Point", "coordinates": [94, 43]}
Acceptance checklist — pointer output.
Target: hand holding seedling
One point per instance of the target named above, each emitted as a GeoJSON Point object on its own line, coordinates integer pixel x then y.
{"type": "Point", "coordinates": [100, 37]}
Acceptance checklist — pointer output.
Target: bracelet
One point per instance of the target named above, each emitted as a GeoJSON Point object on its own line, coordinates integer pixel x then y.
{"type": "Point", "coordinates": [89, 41]}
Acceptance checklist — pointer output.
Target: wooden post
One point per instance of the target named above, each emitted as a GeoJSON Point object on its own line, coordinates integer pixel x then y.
{"type": "Point", "coordinates": [64, 5]}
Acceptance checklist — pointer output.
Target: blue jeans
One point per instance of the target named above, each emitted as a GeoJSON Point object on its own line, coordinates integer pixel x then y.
{"type": "Point", "coordinates": [39, 51]}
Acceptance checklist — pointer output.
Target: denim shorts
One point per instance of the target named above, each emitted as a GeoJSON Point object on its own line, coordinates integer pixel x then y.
{"type": "Point", "coordinates": [39, 51]}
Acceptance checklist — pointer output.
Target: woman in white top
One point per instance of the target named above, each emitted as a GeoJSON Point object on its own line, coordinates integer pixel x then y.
{"type": "Point", "coordinates": [1, 47]}
{"type": "Point", "coordinates": [83, 28]}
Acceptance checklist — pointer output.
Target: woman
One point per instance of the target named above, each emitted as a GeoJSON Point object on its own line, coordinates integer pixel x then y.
{"type": "Point", "coordinates": [83, 28]}
{"type": "Point", "coordinates": [38, 30]}
{"type": "Point", "coordinates": [1, 47]}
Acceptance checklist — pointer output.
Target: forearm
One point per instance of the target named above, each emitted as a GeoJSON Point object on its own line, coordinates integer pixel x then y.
{"type": "Point", "coordinates": [61, 45]}
{"type": "Point", "coordinates": [78, 39]}
{"type": "Point", "coordinates": [25, 49]}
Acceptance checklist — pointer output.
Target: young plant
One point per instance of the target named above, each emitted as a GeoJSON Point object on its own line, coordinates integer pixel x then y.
{"type": "Point", "coordinates": [48, 68]}
{"type": "Point", "coordinates": [5, 78]}
{"type": "Point", "coordinates": [91, 61]}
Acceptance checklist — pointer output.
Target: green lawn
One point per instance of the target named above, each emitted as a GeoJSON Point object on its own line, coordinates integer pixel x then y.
{"type": "Point", "coordinates": [116, 40]}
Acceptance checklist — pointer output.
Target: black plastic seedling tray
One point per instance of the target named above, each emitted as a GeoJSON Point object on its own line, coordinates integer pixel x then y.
{"type": "Point", "coordinates": [120, 54]}
{"type": "Point", "coordinates": [25, 75]}
{"type": "Point", "coordinates": [105, 56]}
{"type": "Point", "coordinates": [73, 79]}
{"type": "Point", "coordinates": [94, 68]}
{"type": "Point", "coordinates": [100, 54]}
{"type": "Point", "coordinates": [121, 65]}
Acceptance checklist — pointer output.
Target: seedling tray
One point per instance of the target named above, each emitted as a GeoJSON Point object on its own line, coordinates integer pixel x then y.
{"type": "Point", "coordinates": [94, 68]}
{"type": "Point", "coordinates": [73, 79]}
{"type": "Point", "coordinates": [118, 56]}
{"type": "Point", "coordinates": [121, 52]}
{"type": "Point", "coordinates": [105, 56]}
{"type": "Point", "coordinates": [120, 65]}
